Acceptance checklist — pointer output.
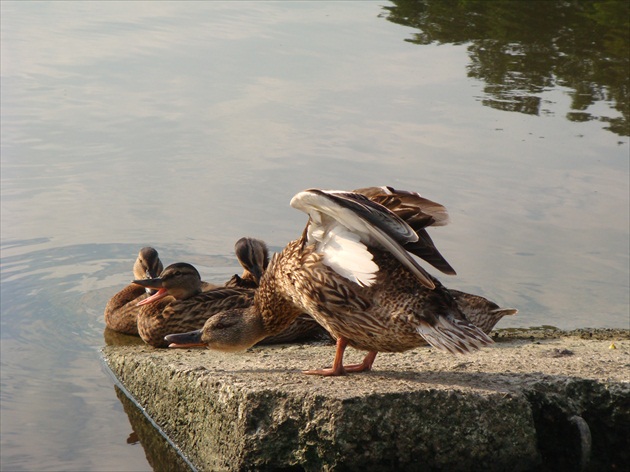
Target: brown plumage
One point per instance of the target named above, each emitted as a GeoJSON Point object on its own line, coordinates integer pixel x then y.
{"type": "Point", "coordinates": [254, 257]}
{"type": "Point", "coordinates": [121, 312]}
{"type": "Point", "coordinates": [419, 213]}
{"type": "Point", "coordinates": [180, 306]}
{"type": "Point", "coordinates": [480, 311]}
{"type": "Point", "coordinates": [351, 272]}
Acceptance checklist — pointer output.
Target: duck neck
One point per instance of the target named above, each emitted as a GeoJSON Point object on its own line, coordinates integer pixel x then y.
{"type": "Point", "coordinates": [275, 312]}
{"type": "Point", "coordinates": [271, 303]}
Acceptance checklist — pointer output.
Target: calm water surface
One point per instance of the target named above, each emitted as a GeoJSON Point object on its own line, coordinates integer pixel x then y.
{"type": "Point", "coordinates": [186, 125]}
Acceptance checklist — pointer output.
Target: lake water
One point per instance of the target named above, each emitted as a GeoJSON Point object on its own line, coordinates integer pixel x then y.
{"type": "Point", "coordinates": [186, 125]}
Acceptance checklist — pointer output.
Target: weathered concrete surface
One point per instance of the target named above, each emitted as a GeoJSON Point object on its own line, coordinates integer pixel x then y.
{"type": "Point", "coordinates": [536, 400]}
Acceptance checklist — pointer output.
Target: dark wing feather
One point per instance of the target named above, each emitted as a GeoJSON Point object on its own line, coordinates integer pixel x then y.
{"type": "Point", "coordinates": [374, 213]}
{"type": "Point", "coordinates": [425, 249]}
{"type": "Point", "coordinates": [419, 213]}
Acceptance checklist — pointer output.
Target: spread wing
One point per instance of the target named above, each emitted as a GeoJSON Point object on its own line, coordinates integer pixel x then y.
{"type": "Point", "coordinates": [344, 224]}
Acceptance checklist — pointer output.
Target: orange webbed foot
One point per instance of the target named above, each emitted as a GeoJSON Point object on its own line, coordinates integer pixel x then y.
{"type": "Point", "coordinates": [331, 372]}
{"type": "Point", "coordinates": [339, 369]}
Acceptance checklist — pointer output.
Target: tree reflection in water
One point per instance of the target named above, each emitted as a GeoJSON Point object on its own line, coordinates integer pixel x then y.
{"type": "Point", "coordinates": [522, 48]}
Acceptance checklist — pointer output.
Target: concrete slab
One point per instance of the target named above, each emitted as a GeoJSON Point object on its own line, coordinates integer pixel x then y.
{"type": "Point", "coordinates": [536, 399]}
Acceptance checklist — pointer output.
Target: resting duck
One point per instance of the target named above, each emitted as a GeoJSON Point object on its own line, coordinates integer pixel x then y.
{"type": "Point", "coordinates": [351, 270]}
{"type": "Point", "coordinates": [179, 305]}
{"type": "Point", "coordinates": [121, 312]}
{"type": "Point", "coordinates": [253, 255]}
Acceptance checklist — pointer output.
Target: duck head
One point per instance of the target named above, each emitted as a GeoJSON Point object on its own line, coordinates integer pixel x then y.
{"type": "Point", "coordinates": [180, 280]}
{"type": "Point", "coordinates": [253, 256]}
{"type": "Point", "coordinates": [147, 266]}
{"type": "Point", "coordinates": [229, 331]}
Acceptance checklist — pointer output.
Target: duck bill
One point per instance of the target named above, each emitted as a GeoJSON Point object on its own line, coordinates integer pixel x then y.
{"type": "Point", "coordinates": [151, 284]}
{"type": "Point", "coordinates": [190, 339]}
{"type": "Point", "coordinates": [149, 275]}
{"type": "Point", "coordinates": [258, 273]}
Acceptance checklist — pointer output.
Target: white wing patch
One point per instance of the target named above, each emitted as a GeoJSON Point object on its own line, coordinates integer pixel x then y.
{"type": "Point", "coordinates": [327, 214]}
{"type": "Point", "coordinates": [345, 254]}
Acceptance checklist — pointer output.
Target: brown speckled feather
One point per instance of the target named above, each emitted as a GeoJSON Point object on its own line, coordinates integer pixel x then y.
{"type": "Point", "coordinates": [384, 317]}
{"type": "Point", "coordinates": [121, 312]}
{"type": "Point", "coordinates": [169, 315]}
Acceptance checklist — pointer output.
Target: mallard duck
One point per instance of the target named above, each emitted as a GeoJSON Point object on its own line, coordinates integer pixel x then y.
{"type": "Point", "coordinates": [253, 255]}
{"type": "Point", "coordinates": [180, 305]}
{"type": "Point", "coordinates": [121, 312]}
{"type": "Point", "coordinates": [351, 271]}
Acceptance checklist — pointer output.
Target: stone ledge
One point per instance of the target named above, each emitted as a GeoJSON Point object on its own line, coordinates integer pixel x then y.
{"type": "Point", "coordinates": [552, 401]}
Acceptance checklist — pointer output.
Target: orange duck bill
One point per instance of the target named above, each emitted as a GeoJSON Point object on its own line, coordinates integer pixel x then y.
{"type": "Point", "coordinates": [190, 339]}
{"type": "Point", "coordinates": [154, 284]}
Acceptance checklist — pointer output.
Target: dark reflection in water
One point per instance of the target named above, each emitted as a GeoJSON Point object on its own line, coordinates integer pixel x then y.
{"type": "Point", "coordinates": [114, 338]}
{"type": "Point", "coordinates": [160, 454]}
{"type": "Point", "coordinates": [522, 48]}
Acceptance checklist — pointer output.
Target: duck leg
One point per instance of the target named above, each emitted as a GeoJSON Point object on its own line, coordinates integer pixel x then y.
{"type": "Point", "coordinates": [365, 365]}
{"type": "Point", "coordinates": [338, 367]}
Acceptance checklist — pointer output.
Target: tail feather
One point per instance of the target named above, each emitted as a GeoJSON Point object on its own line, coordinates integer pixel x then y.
{"type": "Point", "coordinates": [505, 311]}
{"type": "Point", "coordinates": [454, 335]}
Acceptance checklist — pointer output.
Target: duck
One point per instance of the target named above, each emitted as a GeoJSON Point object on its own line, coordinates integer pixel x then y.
{"type": "Point", "coordinates": [352, 271]}
{"type": "Point", "coordinates": [253, 256]}
{"type": "Point", "coordinates": [180, 305]}
{"type": "Point", "coordinates": [121, 311]}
